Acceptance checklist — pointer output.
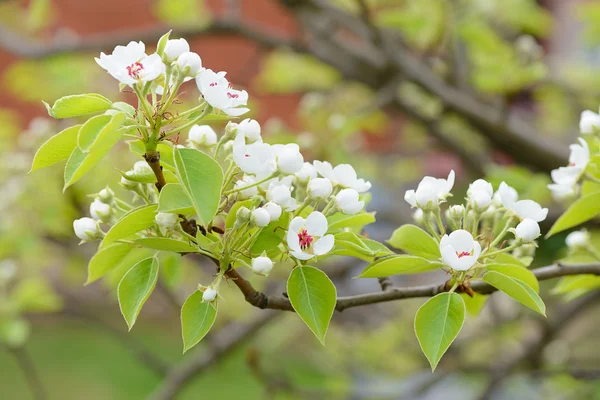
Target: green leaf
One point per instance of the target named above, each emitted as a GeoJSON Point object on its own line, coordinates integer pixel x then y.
{"type": "Point", "coordinates": [78, 104]}
{"type": "Point", "coordinates": [59, 147]}
{"type": "Point", "coordinates": [339, 220]}
{"type": "Point", "coordinates": [517, 272]}
{"type": "Point", "coordinates": [130, 223]}
{"type": "Point", "coordinates": [517, 289]}
{"type": "Point", "coordinates": [98, 129]}
{"type": "Point", "coordinates": [197, 317]}
{"type": "Point", "coordinates": [166, 244]}
{"type": "Point", "coordinates": [313, 296]}
{"type": "Point", "coordinates": [474, 304]}
{"type": "Point", "coordinates": [438, 323]}
{"type": "Point", "coordinates": [415, 241]}
{"type": "Point", "coordinates": [174, 199]}
{"type": "Point", "coordinates": [135, 288]}
{"type": "Point", "coordinates": [125, 107]}
{"type": "Point", "coordinates": [270, 237]}
{"type": "Point", "coordinates": [202, 178]}
{"type": "Point", "coordinates": [398, 264]}
{"type": "Point", "coordinates": [162, 43]}
{"type": "Point", "coordinates": [582, 210]}
{"type": "Point", "coordinates": [353, 245]}
{"type": "Point", "coordinates": [505, 258]}
{"type": "Point", "coordinates": [105, 260]}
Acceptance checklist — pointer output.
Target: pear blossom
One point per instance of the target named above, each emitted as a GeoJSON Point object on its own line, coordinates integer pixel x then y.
{"type": "Point", "coordinates": [166, 220]}
{"type": "Point", "coordinates": [342, 175]}
{"type": "Point", "coordinates": [130, 64]}
{"type": "Point", "coordinates": [319, 188]}
{"type": "Point", "coordinates": [580, 154]}
{"type": "Point", "coordinates": [202, 136]}
{"type": "Point", "coordinates": [418, 216]}
{"type": "Point", "coordinates": [262, 265]}
{"type": "Point", "coordinates": [289, 159]}
{"type": "Point", "coordinates": [142, 168]}
{"type": "Point", "coordinates": [209, 294]}
{"type": "Point", "coordinates": [456, 211]}
{"type": "Point", "coordinates": [251, 129]}
{"type": "Point", "coordinates": [528, 230]}
{"type": "Point", "coordinates": [242, 215]}
{"type": "Point", "coordinates": [246, 180]}
{"type": "Point", "coordinates": [86, 228]}
{"type": "Point", "coordinates": [106, 195]}
{"type": "Point", "coordinates": [307, 238]}
{"type": "Point", "coordinates": [190, 64]}
{"type": "Point", "coordinates": [459, 251]}
{"type": "Point", "coordinates": [129, 185]}
{"type": "Point", "coordinates": [589, 122]}
{"type": "Point", "coordinates": [529, 209]}
{"type": "Point", "coordinates": [505, 196]}
{"type": "Point", "coordinates": [100, 211]}
{"type": "Point", "coordinates": [218, 93]}
{"type": "Point", "coordinates": [306, 173]}
{"type": "Point", "coordinates": [252, 158]}
{"type": "Point", "coordinates": [480, 194]}
{"type": "Point", "coordinates": [577, 239]}
{"type": "Point", "coordinates": [176, 47]}
{"type": "Point", "coordinates": [260, 217]}
{"type": "Point", "coordinates": [430, 191]}
{"type": "Point", "coordinates": [281, 194]}
{"type": "Point", "coordinates": [274, 210]}
{"type": "Point", "coordinates": [562, 192]}
{"type": "Point", "coordinates": [347, 201]}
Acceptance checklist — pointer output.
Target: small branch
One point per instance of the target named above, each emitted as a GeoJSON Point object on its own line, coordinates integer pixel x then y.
{"type": "Point", "coordinates": [29, 371]}
{"type": "Point", "coordinates": [385, 283]}
{"type": "Point", "coordinates": [153, 161]}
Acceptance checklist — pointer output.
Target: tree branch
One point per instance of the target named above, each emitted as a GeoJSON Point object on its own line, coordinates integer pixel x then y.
{"type": "Point", "coordinates": [29, 372]}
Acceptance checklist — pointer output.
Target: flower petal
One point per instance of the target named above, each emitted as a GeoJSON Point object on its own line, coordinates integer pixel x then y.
{"type": "Point", "coordinates": [323, 245]}
{"type": "Point", "coordinates": [316, 224]}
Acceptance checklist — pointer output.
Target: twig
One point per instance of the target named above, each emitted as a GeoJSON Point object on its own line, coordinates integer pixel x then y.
{"type": "Point", "coordinates": [29, 371]}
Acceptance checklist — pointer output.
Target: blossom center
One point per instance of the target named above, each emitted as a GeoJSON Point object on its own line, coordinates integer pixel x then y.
{"type": "Point", "coordinates": [232, 95]}
{"type": "Point", "coordinates": [463, 254]}
{"type": "Point", "coordinates": [305, 239]}
{"type": "Point", "coordinates": [134, 70]}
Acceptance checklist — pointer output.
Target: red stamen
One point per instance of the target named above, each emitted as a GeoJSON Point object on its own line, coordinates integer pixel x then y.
{"type": "Point", "coordinates": [232, 95]}
{"type": "Point", "coordinates": [305, 239]}
{"type": "Point", "coordinates": [463, 254]}
{"type": "Point", "coordinates": [134, 70]}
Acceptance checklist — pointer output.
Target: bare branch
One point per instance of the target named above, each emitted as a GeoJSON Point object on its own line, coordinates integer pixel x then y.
{"type": "Point", "coordinates": [29, 372]}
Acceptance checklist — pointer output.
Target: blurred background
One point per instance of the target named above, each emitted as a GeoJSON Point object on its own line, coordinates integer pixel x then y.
{"type": "Point", "coordinates": [399, 89]}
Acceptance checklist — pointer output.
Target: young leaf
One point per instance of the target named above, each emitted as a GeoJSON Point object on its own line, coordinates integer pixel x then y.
{"type": "Point", "coordinates": [162, 43]}
{"type": "Point", "coordinates": [474, 304]}
{"type": "Point", "coordinates": [517, 289]}
{"type": "Point", "coordinates": [105, 260]}
{"type": "Point", "coordinates": [581, 283]}
{"type": "Point", "coordinates": [166, 244]}
{"type": "Point", "coordinates": [202, 178]}
{"type": "Point", "coordinates": [59, 147]}
{"type": "Point", "coordinates": [98, 129]}
{"type": "Point", "coordinates": [130, 223]}
{"type": "Point", "coordinates": [415, 241]}
{"type": "Point", "coordinates": [78, 104]}
{"type": "Point", "coordinates": [135, 288]}
{"type": "Point", "coordinates": [174, 199]}
{"type": "Point", "coordinates": [313, 296]}
{"type": "Point", "coordinates": [346, 245]}
{"type": "Point", "coordinates": [399, 264]}
{"type": "Point", "coordinates": [582, 210]}
{"type": "Point", "coordinates": [517, 272]}
{"type": "Point", "coordinates": [125, 107]}
{"type": "Point", "coordinates": [197, 317]}
{"type": "Point", "coordinates": [438, 323]}
{"type": "Point", "coordinates": [339, 220]}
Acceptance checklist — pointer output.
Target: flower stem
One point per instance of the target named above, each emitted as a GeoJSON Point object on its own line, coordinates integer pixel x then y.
{"type": "Point", "coordinates": [188, 124]}
{"type": "Point", "coordinates": [438, 218]}
{"type": "Point", "coordinates": [502, 232]}
{"type": "Point", "coordinates": [268, 178]}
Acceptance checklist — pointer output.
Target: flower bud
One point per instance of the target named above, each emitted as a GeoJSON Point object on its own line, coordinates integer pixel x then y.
{"type": "Point", "coordinates": [289, 158]}
{"type": "Point", "coordinates": [100, 211]}
{"type": "Point", "coordinates": [250, 128]}
{"type": "Point", "coordinates": [262, 265]}
{"type": "Point", "coordinates": [246, 193]}
{"type": "Point", "coordinates": [528, 230]}
{"type": "Point", "coordinates": [577, 240]}
{"type": "Point", "coordinates": [209, 294]}
{"type": "Point", "coordinates": [190, 63]}
{"type": "Point", "coordinates": [141, 168]}
{"type": "Point", "coordinates": [274, 210]}
{"type": "Point", "coordinates": [427, 199]}
{"type": "Point", "coordinates": [242, 215]}
{"type": "Point", "coordinates": [456, 212]}
{"type": "Point", "coordinates": [129, 185]}
{"type": "Point", "coordinates": [418, 216]}
{"type": "Point", "coordinates": [319, 188]}
{"type": "Point", "coordinates": [347, 201]}
{"type": "Point", "coordinates": [106, 195]}
{"type": "Point", "coordinates": [231, 130]}
{"type": "Point", "coordinates": [86, 228]}
{"type": "Point", "coordinates": [166, 220]}
{"type": "Point", "coordinates": [260, 217]}
{"type": "Point", "coordinates": [174, 48]}
{"type": "Point", "coordinates": [202, 136]}
{"type": "Point", "coordinates": [480, 200]}
{"type": "Point", "coordinates": [306, 173]}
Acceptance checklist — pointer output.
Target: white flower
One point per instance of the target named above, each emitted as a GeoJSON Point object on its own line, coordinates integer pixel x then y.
{"type": "Point", "coordinates": [281, 194]}
{"type": "Point", "coordinates": [202, 136]}
{"type": "Point", "coordinates": [217, 92]}
{"type": "Point", "coordinates": [589, 122]}
{"type": "Point", "coordinates": [166, 220]}
{"type": "Point", "coordinates": [505, 196]}
{"type": "Point", "coordinates": [86, 228]}
{"type": "Point", "coordinates": [342, 175]}
{"type": "Point", "coordinates": [252, 158]}
{"type": "Point", "coordinates": [100, 211]}
{"type": "Point", "coordinates": [562, 192]}
{"type": "Point", "coordinates": [106, 195]}
{"type": "Point", "coordinates": [209, 294]}
{"type": "Point", "coordinates": [418, 216]}
{"type": "Point", "coordinates": [306, 237]}
{"type": "Point", "coordinates": [347, 201]}
{"type": "Point", "coordinates": [319, 188]}
{"type": "Point", "coordinates": [141, 168]}
{"type": "Point", "coordinates": [306, 173]}
{"type": "Point", "coordinates": [190, 64]}
{"type": "Point", "coordinates": [456, 211]}
{"type": "Point", "coordinates": [127, 184]}
{"type": "Point", "coordinates": [480, 194]}
{"type": "Point", "coordinates": [176, 47]}
{"type": "Point", "coordinates": [274, 210]}
{"type": "Point", "coordinates": [529, 209]}
{"type": "Point", "coordinates": [262, 265]}
{"type": "Point", "coordinates": [580, 154]}
{"type": "Point", "coordinates": [430, 191]}
{"type": "Point", "coordinates": [130, 64]}
{"type": "Point", "coordinates": [247, 180]}
{"type": "Point", "coordinates": [528, 230]}
{"type": "Point", "coordinates": [459, 251]}
{"type": "Point", "coordinates": [289, 158]}
{"type": "Point", "coordinates": [577, 239]}
{"type": "Point", "coordinates": [250, 128]}
{"type": "Point", "coordinates": [260, 217]}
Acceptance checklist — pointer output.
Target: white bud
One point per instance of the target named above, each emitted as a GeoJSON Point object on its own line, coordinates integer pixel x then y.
{"type": "Point", "coordinates": [209, 294]}
{"type": "Point", "coordinates": [456, 212]}
{"type": "Point", "coordinates": [176, 47]}
{"type": "Point", "coordinates": [246, 181]}
{"type": "Point", "coordinates": [577, 239]}
{"type": "Point", "coordinates": [100, 211]}
{"type": "Point", "coordinates": [127, 184]}
{"type": "Point", "coordinates": [242, 215]}
{"type": "Point", "coordinates": [480, 200]}
{"type": "Point", "coordinates": [262, 265]}
{"type": "Point", "coordinates": [86, 228]}
{"type": "Point", "coordinates": [427, 198]}
{"type": "Point", "coordinates": [274, 210]}
{"type": "Point", "coordinates": [528, 230]}
{"type": "Point", "coordinates": [106, 195]}
{"type": "Point", "coordinates": [289, 158]}
{"type": "Point", "coordinates": [260, 217]}
{"type": "Point", "coordinates": [418, 216]}
{"type": "Point", "coordinates": [319, 188]}
{"type": "Point", "coordinates": [166, 220]}
{"type": "Point", "coordinates": [250, 128]}
{"type": "Point", "coordinates": [190, 63]}
{"type": "Point", "coordinates": [202, 136]}
{"type": "Point", "coordinates": [347, 201]}
{"type": "Point", "coordinates": [306, 173]}
{"type": "Point", "coordinates": [142, 168]}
